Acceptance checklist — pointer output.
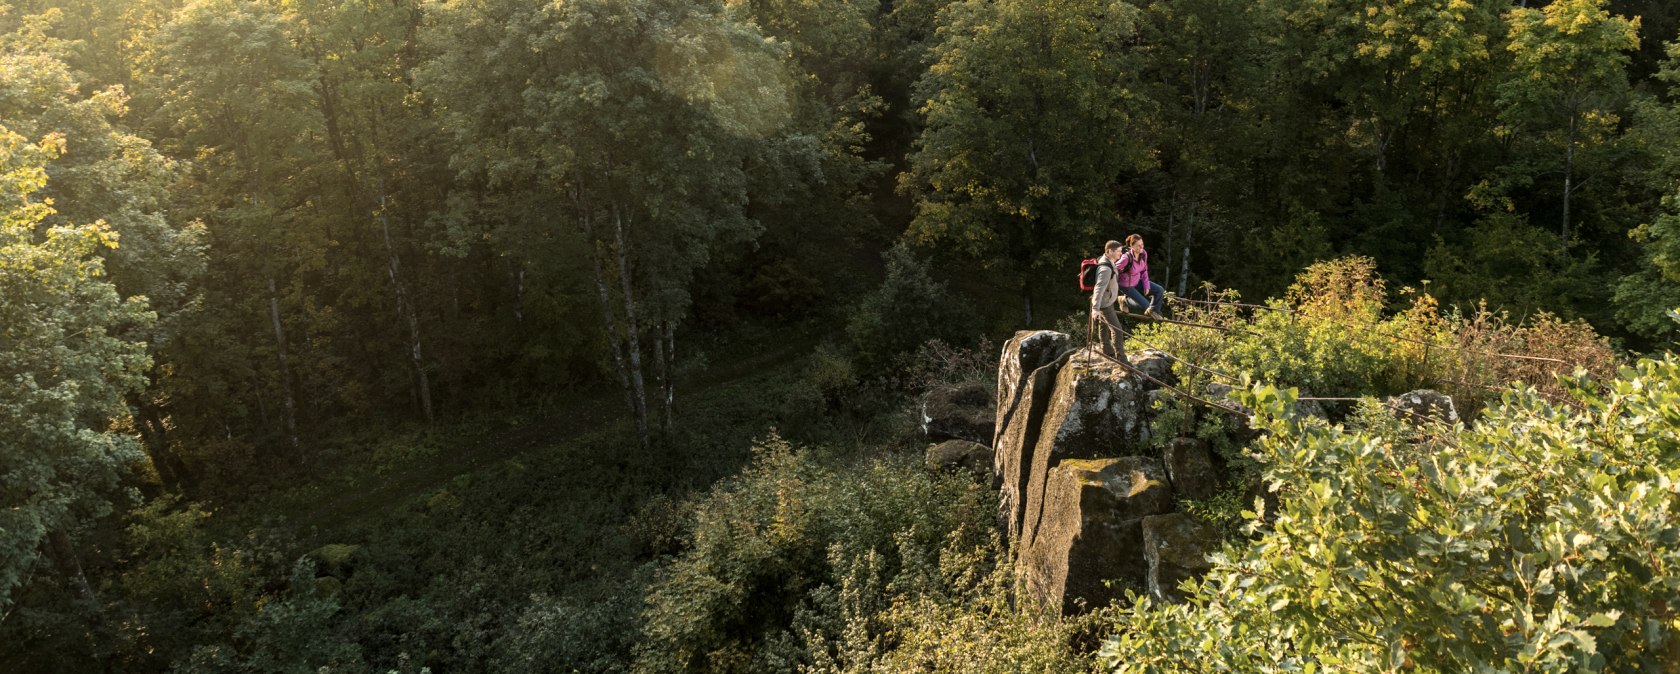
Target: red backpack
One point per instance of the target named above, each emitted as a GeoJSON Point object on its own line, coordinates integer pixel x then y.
{"type": "Point", "coordinates": [1088, 273]}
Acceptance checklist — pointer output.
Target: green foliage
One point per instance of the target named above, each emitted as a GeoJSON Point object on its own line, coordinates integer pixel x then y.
{"type": "Point", "coordinates": [962, 613]}
{"type": "Point", "coordinates": [574, 634]}
{"type": "Point", "coordinates": [1025, 129]}
{"type": "Point", "coordinates": [1310, 347]}
{"type": "Point", "coordinates": [908, 309]}
{"type": "Point", "coordinates": [1518, 268]}
{"type": "Point", "coordinates": [1331, 337]}
{"type": "Point", "coordinates": [1224, 509]}
{"type": "Point", "coordinates": [1644, 296]}
{"type": "Point", "coordinates": [774, 545]}
{"type": "Point", "coordinates": [1536, 540]}
{"type": "Point", "coordinates": [65, 365]}
{"type": "Point", "coordinates": [345, 215]}
{"type": "Point", "coordinates": [293, 635]}
{"type": "Point", "coordinates": [832, 375]}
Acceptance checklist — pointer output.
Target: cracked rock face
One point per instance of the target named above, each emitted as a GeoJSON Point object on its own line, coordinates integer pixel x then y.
{"type": "Point", "coordinates": [1012, 462]}
{"type": "Point", "coordinates": [1090, 531]}
{"type": "Point", "coordinates": [1190, 468]}
{"type": "Point", "coordinates": [1175, 546]}
{"type": "Point", "coordinates": [959, 413]}
{"type": "Point", "coordinates": [1074, 511]}
{"type": "Point", "coordinates": [1024, 353]}
{"type": "Point", "coordinates": [1099, 409]}
{"type": "Point", "coordinates": [1156, 364]}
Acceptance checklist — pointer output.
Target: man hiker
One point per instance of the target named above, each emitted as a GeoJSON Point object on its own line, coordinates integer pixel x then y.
{"type": "Point", "coordinates": [1103, 297]}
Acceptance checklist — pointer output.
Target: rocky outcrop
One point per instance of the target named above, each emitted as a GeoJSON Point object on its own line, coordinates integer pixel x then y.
{"type": "Point", "coordinates": [1175, 546]}
{"type": "Point", "coordinates": [1074, 488]}
{"type": "Point", "coordinates": [1090, 531]}
{"type": "Point", "coordinates": [1097, 410]}
{"type": "Point", "coordinates": [959, 456]}
{"type": "Point", "coordinates": [1419, 406]}
{"type": "Point", "coordinates": [1012, 461]}
{"type": "Point", "coordinates": [1190, 468]}
{"type": "Point", "coordinates": [1023, 354]}
{"type": "Point", "coordinates": [1236, 414]}
{"type": "Point", "coordinates": [962, 412]}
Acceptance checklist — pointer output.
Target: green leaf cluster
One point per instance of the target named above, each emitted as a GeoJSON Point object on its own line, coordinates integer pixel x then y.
{"type": "Point", "coordinates": [1542, 538]}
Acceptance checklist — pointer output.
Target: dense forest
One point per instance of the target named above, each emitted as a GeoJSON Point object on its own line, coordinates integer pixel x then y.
{"type": "Point", "coordinates": [592, 335]}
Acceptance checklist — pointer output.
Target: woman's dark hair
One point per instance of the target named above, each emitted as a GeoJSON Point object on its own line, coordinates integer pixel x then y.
{"type": "Point", "coordinates": [1130, 239]}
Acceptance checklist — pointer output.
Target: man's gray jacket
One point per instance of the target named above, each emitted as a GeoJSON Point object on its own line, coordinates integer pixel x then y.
{"type": "Point", "coordinates": [1107, 291]}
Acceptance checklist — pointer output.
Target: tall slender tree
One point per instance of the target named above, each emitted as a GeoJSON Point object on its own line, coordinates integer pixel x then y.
{"type": "Point", "coordinates": [1566, 84]}
{"type": "Point", "coordinates": [614, 132]}
{"type": "Point", "coordinates": [66, 370]}
{"type": "Point", "coordinates": [1028, 131]}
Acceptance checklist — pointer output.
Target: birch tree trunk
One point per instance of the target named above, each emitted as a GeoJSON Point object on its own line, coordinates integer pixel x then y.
{"type": "Point", "coordinates": [405, 307]}
{"type": "Point", "coordinates": [609, 319]}
{"type": "Point", "coordinates": [671, 379]}
{"type": "Point", "coordinates": [665, 362]}
{"type": "Point", "coordinates": [632, 328]}
{"type": "Point", "coordinates": [1569, 170]}
{"type": "Point", "coordinates": [1184, 259]}
{"type": "Point", "coordinates": [285, 366]}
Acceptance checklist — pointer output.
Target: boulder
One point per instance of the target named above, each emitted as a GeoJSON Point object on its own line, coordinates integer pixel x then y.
{"type": "Point", "coordinates": [1190, 468]}
{"type": "Point", "coordinates": [959, 456]}
{"type": "Point", "coordinates": [1157, 365]}
{"type": "Point", "coordinates": [1311, 408]}
{"type": "Point", "coordinates": [962, 412]}
{"type": "Point", "coordinates": [1175, 547]}
{"type": "Point", "coordinates": [1098, 409]}
{"type": "Point", "coordinates": [328, 586]}
{"type": "Point", "coordinates": [1091, 531]}
{"type": "Point", "coordinates": [1416, 406]}
{"type": "Point", "coordinates": [1236, 414]}
{"type": "Point", "coordinates": [337, 560]}
{"type": "Point", "coordinates": [1023, 354]}
{"type": "Point", "coordinates": [1012, 460]}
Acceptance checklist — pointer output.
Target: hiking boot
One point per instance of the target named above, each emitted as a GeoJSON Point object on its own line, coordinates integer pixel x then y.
{"type": "Point", "coordinates": [1156, 315]}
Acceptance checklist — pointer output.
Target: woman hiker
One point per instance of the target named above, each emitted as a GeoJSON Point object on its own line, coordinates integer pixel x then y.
{"type": "Point", "coordinates": [1134, 278]}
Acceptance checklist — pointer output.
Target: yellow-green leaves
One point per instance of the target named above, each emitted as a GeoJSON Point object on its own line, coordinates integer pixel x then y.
{"type": "Point", "coordinates": [63, 370]}
{"type": "Point", "coordinates": [1450, 570]}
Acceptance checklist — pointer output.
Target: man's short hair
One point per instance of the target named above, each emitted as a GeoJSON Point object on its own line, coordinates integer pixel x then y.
{"type": "Point", "coordinates": [1111, 245]}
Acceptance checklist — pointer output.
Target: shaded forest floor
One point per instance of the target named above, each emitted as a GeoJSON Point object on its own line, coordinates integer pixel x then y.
{"type": "Point", "coordinates": [370, 487]}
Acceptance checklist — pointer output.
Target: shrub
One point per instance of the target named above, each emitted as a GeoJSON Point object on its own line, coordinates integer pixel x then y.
{"type": "Point", "coordinates": [908, 309]}
{"type": "Point", "coordinates": [771, 543]}
{"type": "Point", "coordinates": [1330, 337]}
{"type": "Point", "coordinates": [1543, 539]}
{"type": "Point", "coordinates": [966, 622]}
{"type": "Point", "coordinates": [575, 633]}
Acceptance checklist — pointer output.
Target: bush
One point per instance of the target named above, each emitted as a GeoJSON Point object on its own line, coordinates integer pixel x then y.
{"type": "Point", "coordinates": [772, 543]}
{"type": "Point", "coordinates": [907, 310]}
{"type": "Point", "coordinates": [965, 623]}
{"type": "Point", "coordinates": [574, 634]}
{"type": "Point", "coordinates": [1330, 337]}
{"type": "Point", "coordinates": [1543, 539]}
{"type": "Point", "coordinates": [294, 635]}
